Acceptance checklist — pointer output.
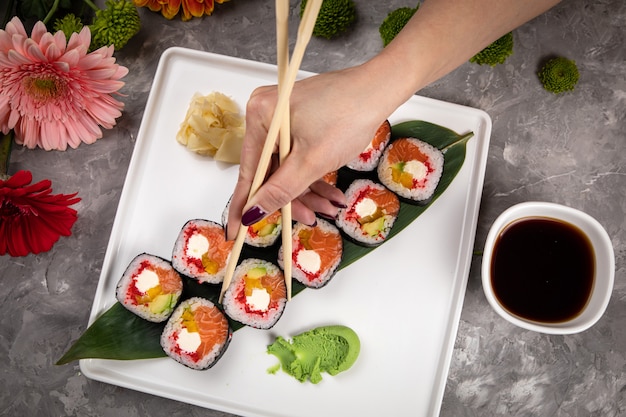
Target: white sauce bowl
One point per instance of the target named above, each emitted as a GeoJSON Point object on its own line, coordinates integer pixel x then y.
{"type": "Point", "coordinates": [604, 265]}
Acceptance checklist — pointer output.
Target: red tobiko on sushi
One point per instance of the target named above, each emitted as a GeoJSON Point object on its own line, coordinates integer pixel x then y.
{"type": "Point", "coordinates": [197, 334]}
{"type": "Point", "coordinates": [32, 218]}
{"type": "Point", "coordinates": [257, 294]}
{"type": "Point", "coordinates": [316, 253]}
{"type": "Point", "coordinates": [368, 159]}
{"type": "Point", "coordinates": [370, 213]}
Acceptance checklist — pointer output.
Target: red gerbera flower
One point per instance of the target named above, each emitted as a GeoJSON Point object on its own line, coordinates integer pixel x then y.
{"type": "Point", "coordinates": [31, 218]}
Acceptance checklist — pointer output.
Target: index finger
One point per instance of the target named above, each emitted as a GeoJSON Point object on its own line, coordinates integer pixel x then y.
{"type": "Point", "coordinates": [254, 139]}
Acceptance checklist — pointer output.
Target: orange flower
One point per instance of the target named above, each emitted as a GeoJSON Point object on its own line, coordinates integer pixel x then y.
{"type": "Point", "coordinates": [170, 8]}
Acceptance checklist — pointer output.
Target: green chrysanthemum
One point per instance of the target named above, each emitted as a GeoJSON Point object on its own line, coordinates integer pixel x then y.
{"type": "Point", "coordinates": [114, 25]}
{"type": "Point", "coordinates": [334, 17]}
{"type": "Point", "coordinates": [394, 22]}
{"type": "Point", "coordinates": [559, 75]}
{"type": "Point", "coordinates": [68, 24]}
{"type": "Point", "coordinates": [496, 53]}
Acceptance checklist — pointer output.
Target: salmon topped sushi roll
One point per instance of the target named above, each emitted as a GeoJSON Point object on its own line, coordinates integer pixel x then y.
{"type": "Point", "coordinates": [412, 169]}
{"type": "Point", "coordinates": [197, 334]}
{"type": "Point", "coordinates": [257, 294]}
{"type": "Point", "coordinates": [316, 253]}
{"type": "Point", "coordinates": [263, 233]}
{"type": "Point", "coordinates": [266, 231]}
{"type": "Point", "coordinates": [370, 213]}
{"type": "Point", "coordinates": [201, 251]}
{"type": "Point", "coordinates": [368, 159]}
{"type": "Point", "coordinates": [150, 288]}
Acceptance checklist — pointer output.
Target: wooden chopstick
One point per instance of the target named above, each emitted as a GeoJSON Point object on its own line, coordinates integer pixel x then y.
{"type": "Point", "coordinates": [305, 31]}
{"type": "Point", "coordinates": [284, 144]}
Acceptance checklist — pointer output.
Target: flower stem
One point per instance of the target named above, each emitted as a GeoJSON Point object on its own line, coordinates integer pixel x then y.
{"type": "Point", "coordinates": [5, 154]}
{"type": "Point", "coordinates": [53, 10]}
{"type": "Point", "coordinates": [92, 5]}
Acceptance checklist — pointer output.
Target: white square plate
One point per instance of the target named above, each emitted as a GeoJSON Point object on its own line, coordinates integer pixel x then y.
{"type": "Point", "coordinates": [403, 299]}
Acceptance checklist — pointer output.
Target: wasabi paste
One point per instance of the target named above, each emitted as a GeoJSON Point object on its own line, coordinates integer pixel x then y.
{"type": "Point", "coordinates": [330, 349]}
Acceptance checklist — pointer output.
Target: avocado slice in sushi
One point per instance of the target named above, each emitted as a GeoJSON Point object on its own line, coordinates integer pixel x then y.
{"type": "Point", "coordinates": [373, 228]}
{"type": "Point", "coordinates": [161, 303]}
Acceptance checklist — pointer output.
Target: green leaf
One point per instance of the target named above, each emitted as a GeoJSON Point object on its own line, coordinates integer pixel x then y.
{"type": "Point", "coordinates": [119, 334]}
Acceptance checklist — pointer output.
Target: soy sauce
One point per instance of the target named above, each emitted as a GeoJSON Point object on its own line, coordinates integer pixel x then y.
{"type": "Point", "coordinates": [542, 269]}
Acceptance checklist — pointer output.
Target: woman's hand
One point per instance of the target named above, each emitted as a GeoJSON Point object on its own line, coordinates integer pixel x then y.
{"type": "Point", "coordinates": [335, 115]}
{"type": "Point", "coordinates": [332, 120]}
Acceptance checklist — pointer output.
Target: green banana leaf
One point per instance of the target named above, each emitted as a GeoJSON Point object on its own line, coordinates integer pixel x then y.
{"type": "Point", "coordinates": [119, 334]}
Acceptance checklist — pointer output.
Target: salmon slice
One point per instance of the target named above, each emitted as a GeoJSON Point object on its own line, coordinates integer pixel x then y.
{"type": "Point", "coordinates": [382, 135]}
{"type": "Point", "coordinates": [212, 327]}
{"type": "Point", "coordinates": [216, 258]}
{"type": "Point", "coordinates": [368, 158]}
{"type": "Point", "coordinates": [327, 245]}
{"type": "Point", "coordinates": [379, 141]}
{"type": "Point", "coordinates": [169, 281]}
{"type": "Point", "coordinates": [386, 200]}
{"type": "Point", "coordinates": [372, 210]}
{"type": "Point", "coordinates": [403, 151]}
{"type": "Point", "coordinates": [197, 334]}
{"type": "Point", "coordinates": [275, 285]}
{"type": "Point", "coordinates": [257, 294]}
{"type": "Point", "coordinates": [271, 220]}
{"type": "Point", "coordinates": [412, 169]}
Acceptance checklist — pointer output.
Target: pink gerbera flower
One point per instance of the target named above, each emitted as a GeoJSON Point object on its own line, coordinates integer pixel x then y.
{"type": "Point", "coordinates": [31, 218]}
{"type": "Point", "coordinates": [53, 93]}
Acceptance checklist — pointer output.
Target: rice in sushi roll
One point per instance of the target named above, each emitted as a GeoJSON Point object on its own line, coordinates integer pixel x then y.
{"type": "Point", "coordinates": [368, 159]}
{"type": "Point", "coordinates": [263, 233]}
{"type": "Point", "coordinates": [201, 251]}
{"type": "Point", "coordinates": [197, 334]}
{"type": "Point", "coordinates": [257, 294]}
{"type": "Point", "coordinates": [412, 169]}
{"type": "Point", "coordinates": [316, 253]}
{"type": "Point", "coordinates": [370, 213]}
{"type": "Point", "coordinates": [150, 288]}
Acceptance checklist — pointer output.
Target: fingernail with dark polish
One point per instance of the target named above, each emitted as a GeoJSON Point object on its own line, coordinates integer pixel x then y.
{"type": "Point", "coordinates": [337, 204]}
{"type": "Point", "coordinates": [326, 216]}
{"type": "Point", "coordinates": [314, 224]}
{"type": "Point", "coordinates": [253, 215]}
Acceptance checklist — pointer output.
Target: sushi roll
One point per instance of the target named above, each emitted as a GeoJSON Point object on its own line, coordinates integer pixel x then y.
{"type": "Point", "coordinates": [201, 251]}
{"type": "Point", "coordinates": [412, 169]}
{"type": "Point", "coordinates": [316, 253]}
{"type": "Point", "coordinates": [150, 288]}
{"type": "Point", "coordinates": [370, 213]}
{"type": "Point", "coordinates": [257, 294]}
{"type": "Point", "coordinates": [368, 159]}
{"type": "Point", "coordinates": [263, 233]}
{"type": "Point", "coordinates": [197, 334]}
